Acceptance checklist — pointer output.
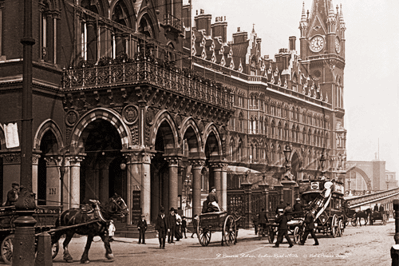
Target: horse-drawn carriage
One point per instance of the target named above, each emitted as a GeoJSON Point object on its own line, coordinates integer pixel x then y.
{"type": "Point", "coordinates": [379, 215]}
{"type": "Point", "coordinates": [325, 200]}
{"type": "Point", "coordinates": [51, 219]}
{"type": "Point", "coordinates": [218, 221]}
{"type": "Point", "coordinates": [45, 217]}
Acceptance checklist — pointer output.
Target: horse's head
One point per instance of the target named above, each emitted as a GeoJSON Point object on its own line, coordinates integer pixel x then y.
{"type": "Point", "coordinates": [118, 206]}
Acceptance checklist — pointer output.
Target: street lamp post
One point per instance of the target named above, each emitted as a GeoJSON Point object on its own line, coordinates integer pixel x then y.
{"type": "Point", "coordinates": [287, 154]}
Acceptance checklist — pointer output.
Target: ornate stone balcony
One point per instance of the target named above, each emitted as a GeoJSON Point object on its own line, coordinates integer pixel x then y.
{"type": "Point", "coordinates": [147, 71]}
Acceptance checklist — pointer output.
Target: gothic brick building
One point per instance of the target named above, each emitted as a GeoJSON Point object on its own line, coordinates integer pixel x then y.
{"type": "Point", "coordinates": [128, 98]}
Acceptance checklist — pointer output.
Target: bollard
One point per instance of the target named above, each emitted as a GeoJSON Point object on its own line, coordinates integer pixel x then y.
{"type": "Point", "coordinates": [24, 240]}
{"type": "Point", "coordinates": [395, 248]}
{"type": "Point", "coordinates": [44, 252]}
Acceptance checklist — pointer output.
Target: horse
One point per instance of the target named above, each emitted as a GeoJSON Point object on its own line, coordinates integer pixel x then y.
{"type": "Point", "coordinates": [363, 214]}
{"type": "Point", "coordinates": [94, 222]}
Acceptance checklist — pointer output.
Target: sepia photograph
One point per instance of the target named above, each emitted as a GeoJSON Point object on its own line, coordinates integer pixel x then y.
{"type": "Point", "coordinates": [199, 132]}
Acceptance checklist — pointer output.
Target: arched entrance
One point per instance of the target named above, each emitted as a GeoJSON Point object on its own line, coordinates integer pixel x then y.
{"type": "Point", "coordinates": [100, 174]}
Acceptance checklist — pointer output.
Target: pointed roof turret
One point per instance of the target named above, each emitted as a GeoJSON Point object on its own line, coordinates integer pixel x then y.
{"type": "Point", "coordinates": [341, 16]}
{"type": "Point", "coordinates": [303, 17]}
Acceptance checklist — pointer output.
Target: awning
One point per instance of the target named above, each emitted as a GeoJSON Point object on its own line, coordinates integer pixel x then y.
{"type": "Point", "coordinates": [241, 170]}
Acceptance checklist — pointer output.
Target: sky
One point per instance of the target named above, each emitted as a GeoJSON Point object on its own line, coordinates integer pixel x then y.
{"type": "Point", "coordinates": [371, 87]}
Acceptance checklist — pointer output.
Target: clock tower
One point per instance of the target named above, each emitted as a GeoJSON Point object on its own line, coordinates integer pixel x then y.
{"type": "Point", "coordinates": [322, 48]}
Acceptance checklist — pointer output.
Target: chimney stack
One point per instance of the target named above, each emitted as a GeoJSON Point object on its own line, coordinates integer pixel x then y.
{"type": "Point", "coordinates": [203, 22]}
{"type": "Point", "coordinates": [219, 28]}
{"type": "Point", "coordinates": [292, 43]}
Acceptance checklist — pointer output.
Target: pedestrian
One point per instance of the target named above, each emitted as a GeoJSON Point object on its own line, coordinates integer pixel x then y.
{"type": "Point", "coordinates": [309, 229]}
{"type": "Point", "coordinates": [12, 194]}
{"type": "Point", "coordinates": [178, 226]}
{"type": "Point", "coordinates": [142, 226]}
{"type": "Point", "coordinates": [195, 225]}
{"type": "Point", "coordinates": [282, 229]}
{"type": "Point", "coordinates": [161, 227]}
{"type": "Point", "coordinates": [281, 206]}
{"type": "Point", "coordinates": [263, 221]}
{"type": "Point", "coordinates": [298, 208]}
{"type": "Point", "coordinates": [171, 225]}
{"type": "Point", "coordinates": [183, 227]}
{"type": "Point", "coordinates": [255, 221]}
{"type": "Point", "coordinates": [212, 199]}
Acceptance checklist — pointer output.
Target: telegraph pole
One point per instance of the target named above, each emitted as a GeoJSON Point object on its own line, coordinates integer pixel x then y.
{"type": "Point", "coordinates": [24, 241]}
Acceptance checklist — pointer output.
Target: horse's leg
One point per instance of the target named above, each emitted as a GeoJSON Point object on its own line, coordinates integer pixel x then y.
{"type": "Point", "coordinates": [85, 255]}
{"type": "Point", "coordinates": [108, 250]}
{"type": "Point", "coordinates": [68, 237]}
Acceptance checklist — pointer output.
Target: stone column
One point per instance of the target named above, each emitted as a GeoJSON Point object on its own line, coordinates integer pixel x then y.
{"type": "Point", "coordinates": [173, 180]}
{"type": "Point", "coordinates": [139, 179]}
{"type": "Point", "coordinates": [91, 41]}
{"type": "Point", "coordinates": [289, 186]}
{"type": "Point", "coordinates": [224, 187]}
{"type": "Point", "coordinates": [197, 165]}
{"type": "Point", "coordinates": [246, 186]}
{"type": "Point", "coordinates": [53, 191]}
{"type": "Point", "coordinates": [75, 181]}
{"type": "Point", "coordinates": [217, 177]}
{"type": "Point", "coordinates": [35, 168]}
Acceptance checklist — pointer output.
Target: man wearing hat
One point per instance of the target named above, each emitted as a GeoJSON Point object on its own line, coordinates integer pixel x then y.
{"type": "Point", "coordinates": [142, 226]}
{"type": "Point", "coordinates": [213, 200]}
{"type": "Point", "coordinates": [161, 227]}
{"type": "Point", "coordinates": [298, 208]}
{"type": "Point", "coordinates": [171, 222]}
{"type": "Point", "coordinates": [282, 220]}
{"type": "Point", "coordinates": [281, 206]}
{"type": "Point", "coordinates": [12, 195]}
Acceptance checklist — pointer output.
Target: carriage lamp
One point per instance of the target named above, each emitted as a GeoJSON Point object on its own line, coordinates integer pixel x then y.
{"type": "Point", "coordinates": [123, 165]}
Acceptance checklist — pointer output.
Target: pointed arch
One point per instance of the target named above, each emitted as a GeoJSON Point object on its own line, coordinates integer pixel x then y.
{"type": "Point", "coordinates": [211, 128]}
{"type": "Point", "coordinates": [47, 125]}
{"type": "Point", "coordinates": [171, 140]}
{"type": "Point", "coordinates": [105, 114]}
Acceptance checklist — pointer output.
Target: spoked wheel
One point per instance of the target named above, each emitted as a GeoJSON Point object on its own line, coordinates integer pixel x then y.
{"type": "Point", "coordinates": [7, 248]}
{"type": "Point", "coordinates": [271, 235]}
{"type": "Point", "coordinates": [384, 219]}
{"type": "Point", "coordinates": [204, 236]}
{"type": "Point", "coordinates": [229, 231]}
{"type": "Point", "coordinates": [54, 249]}
{"type": "Point", "coordinates": [334, 226]}
{"type": "Point", "coordinates": [340, 228]}
{"type": "Point", "coordinates": [297, 235]}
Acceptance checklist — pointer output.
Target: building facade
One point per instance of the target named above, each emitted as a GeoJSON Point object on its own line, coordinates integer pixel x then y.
{"type": "Point", "coordinates": [130, 98]}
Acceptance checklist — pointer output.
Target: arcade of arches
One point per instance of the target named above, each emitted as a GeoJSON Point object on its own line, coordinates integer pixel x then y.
{"type": "Point", "coordinates": [100, 160]}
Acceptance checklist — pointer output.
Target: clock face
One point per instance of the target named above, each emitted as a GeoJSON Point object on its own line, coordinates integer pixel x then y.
{"type": "Point", "coordinates": [316, 44]}
{"type": "Point", "coordinates": [337, 45]}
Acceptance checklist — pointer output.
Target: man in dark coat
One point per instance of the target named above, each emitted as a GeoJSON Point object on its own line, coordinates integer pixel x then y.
{"type": "Point", "coordinates": [263, 219]}
{"type": "Point", "coordinates": [195, 225]}
{"type": "Point", "coordinates": [171, 222]}
{"type": "Point", "coordinates": [298, 208]}
{"type": "Point", "coordinates": [255, 220]}
{"type": "Point", "coordinates": [183, 227]}
{"type": "Point", "coordinates": [161, 227]}
{"type": "Point", "coordinates": [212, 199]}
{"type": "Point", "coordinates": [142, 226]}
{"type": "Point", "coordinates": [12, 195]}
{"type": "Point", "coordinates": [281, 206]}
{"type": "Point", "coordinates": [309, 229]}
{"type": "Point", "coordinates": [282, 229]}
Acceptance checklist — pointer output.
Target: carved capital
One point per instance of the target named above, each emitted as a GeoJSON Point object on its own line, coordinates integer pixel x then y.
{"type": "Point", "coordinates": [76, 159]}
{"type": "Point", "coordinates": [173, 160]}
{"type": "Point", "coordinates": [11, 158]}
{"type": "Point", "coordinates": [35, 158]}
{"type": "Point", "coordinates": [197, 163]}
{"type": "Point", "coordinates": [138, 157]}
{"type": "Point", "coordinates": [221, 165]}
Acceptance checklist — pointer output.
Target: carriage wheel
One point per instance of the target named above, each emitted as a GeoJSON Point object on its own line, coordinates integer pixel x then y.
{"type": "Point", "coordinates": [229, 231]}
{"type": "Point", "coordinates": [384, 219]}
{"type": "Point", "coordinates": [297, 235]}
{"type": "Point", "coordinates": [334, 226]}
{"type": "Point", "coordinates": [7, 248]}
{"type": "Point", "coordinates": [204, 236]}
{"type": "Point", "coordinates": [354, 220]}
{"type": "Point", "coordinates": [270, 235]}
{"type": "Point", "coordinates": [340, 228]}
{"type": "Point", "coordinates": [54, 249]}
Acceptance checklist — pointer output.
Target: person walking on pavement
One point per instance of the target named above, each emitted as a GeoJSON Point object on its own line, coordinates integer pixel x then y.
{"type": "Point", "coordinates": [282, 228]}
{"type": "Point", "coordinates": [195, 225]}
{"type": "Point", "coordinates": [183, 227]}
{"type": "Point", "coordinates": [142, 226]}
{"type": "Point", "coordinates": [171, 225]}
{"type": "Point", "coordinates": [309, 229]}
{"type": "Point", "coordinates": [161, 227]}
{"type": "Point", "coordinates": [298, 208]}
{"type": "Point", "coordinates": [263, 221]}
{"type": "Point", "coordinates": [178, 226]}
{"type": "Point", "coordinates": [255, 220]}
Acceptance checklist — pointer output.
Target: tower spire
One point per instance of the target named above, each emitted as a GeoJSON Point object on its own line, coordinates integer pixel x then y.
{"type": "Point", "coordinates": [303, 17]}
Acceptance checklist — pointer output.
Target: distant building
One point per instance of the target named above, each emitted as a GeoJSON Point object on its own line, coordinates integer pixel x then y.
{"type": "Point", "coordinates": [369, 176]}
{"type": "Point", "coordinates": [390, 179]}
